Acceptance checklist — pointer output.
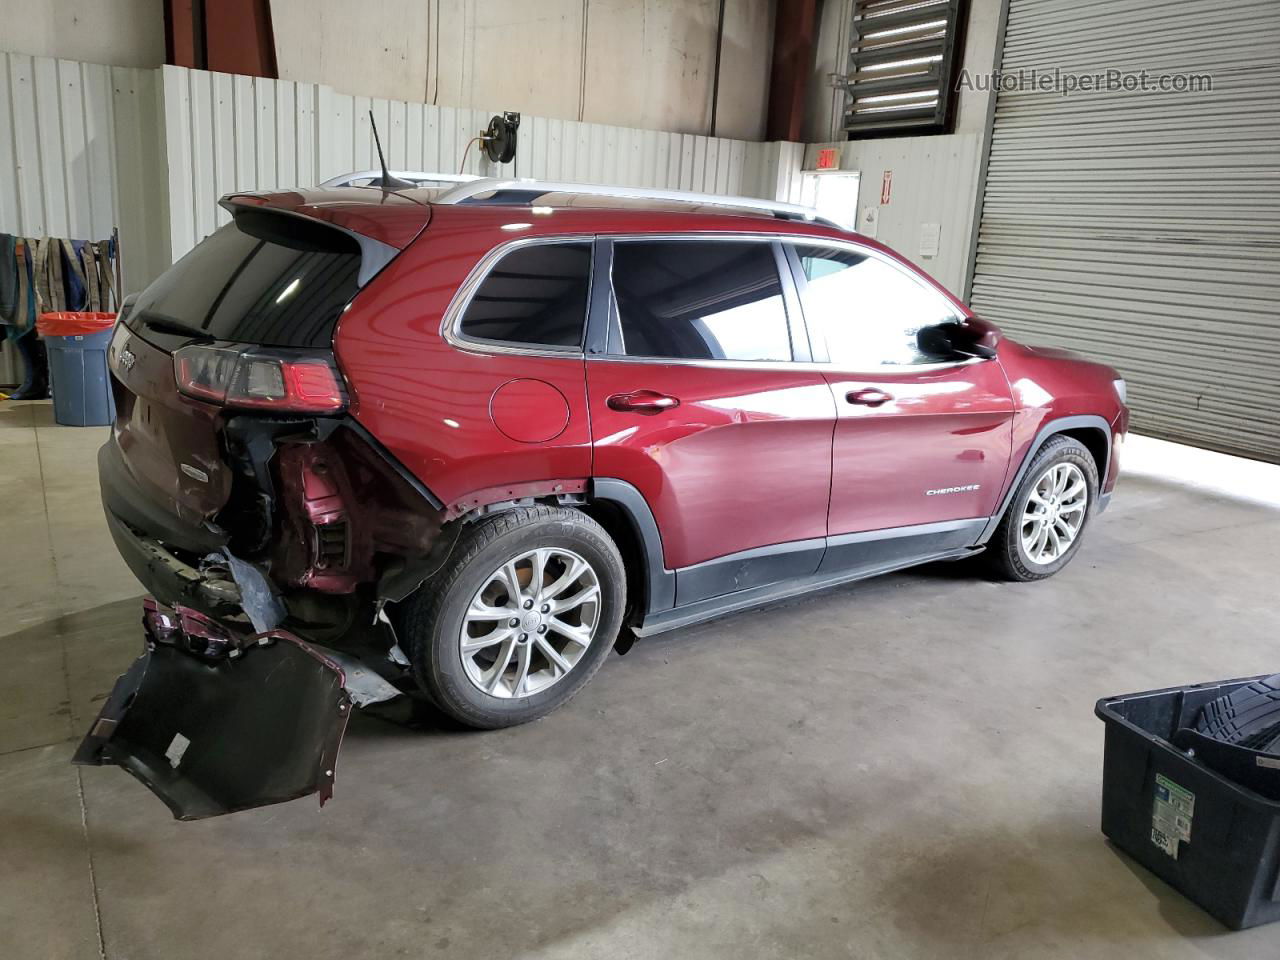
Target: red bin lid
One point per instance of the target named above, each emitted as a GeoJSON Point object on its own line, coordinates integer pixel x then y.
{"type": "Point", "coordinates": [67, 324]}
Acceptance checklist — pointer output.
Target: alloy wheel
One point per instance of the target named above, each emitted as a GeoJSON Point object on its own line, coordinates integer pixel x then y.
{"type": "Point", "coordinates": [1054, 513]}
{"type": "Point", "coordinates": [530, 623]}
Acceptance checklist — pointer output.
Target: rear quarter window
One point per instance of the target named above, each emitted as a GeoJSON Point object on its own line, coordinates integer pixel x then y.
{"type": "Point", "coordinates": [534, 296]}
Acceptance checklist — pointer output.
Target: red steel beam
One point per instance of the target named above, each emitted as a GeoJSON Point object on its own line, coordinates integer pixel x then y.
{"type": "Point", "coordinates": [795, 27]}
{"type": "Point", "coordinates": [230, 36]}
{"type": "Point", "coordinates": [183, 46]}
{"type": "Point", "coordinates": [238, 37]}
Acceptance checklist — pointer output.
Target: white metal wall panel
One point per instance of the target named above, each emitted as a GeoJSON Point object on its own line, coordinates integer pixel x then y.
{"type": "Point", "coordinates": [597, 153]}
{"type": "Point", "coordinates": [933, 181]}
{"type": "Point", "coordinates": [225, 133]}
{"type": "Point", "coordinates": [1144, 228]}
{"type": "Point", "coordinates": [772, 171]}
{"type": "Point", "coordinates": [90, 147]}
{"type": "Point", "coordinates": [79, 158]}
{"type": "Point", "coordinates": [139, 176]}
{"type": "Point", "coordinates": [56, 138]}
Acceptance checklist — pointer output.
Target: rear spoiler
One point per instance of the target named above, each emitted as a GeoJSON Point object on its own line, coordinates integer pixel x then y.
{"type": "Point", "coordinates": [392, 218]}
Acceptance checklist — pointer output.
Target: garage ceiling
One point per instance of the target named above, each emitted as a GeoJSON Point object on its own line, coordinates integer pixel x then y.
{"type": "Point", "coordinates": [1144, 228]}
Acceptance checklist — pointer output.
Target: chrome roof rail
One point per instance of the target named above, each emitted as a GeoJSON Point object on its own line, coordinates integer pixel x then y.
{"type": "Point", "coordinates": [415, 176]}
{"type": "Point", "coordinates": [528, 191]}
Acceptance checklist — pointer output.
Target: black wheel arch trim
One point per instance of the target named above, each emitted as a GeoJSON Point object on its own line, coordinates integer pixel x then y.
{"type": "Point", "coordinates": [660, 583]}
{"type": "Point", "coordinates": [1086, 421]}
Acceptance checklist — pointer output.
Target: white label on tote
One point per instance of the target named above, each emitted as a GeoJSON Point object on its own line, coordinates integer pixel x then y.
{"type": "Point", "coordinates": [1171, 815]}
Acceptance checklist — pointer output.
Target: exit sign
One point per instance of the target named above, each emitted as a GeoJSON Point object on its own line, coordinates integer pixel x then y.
{"type": "Point", "coordinates": [828, 159]}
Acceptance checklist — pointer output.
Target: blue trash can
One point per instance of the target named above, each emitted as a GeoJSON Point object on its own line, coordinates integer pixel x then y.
{"type": "Point", "coordinates": [79, 379]}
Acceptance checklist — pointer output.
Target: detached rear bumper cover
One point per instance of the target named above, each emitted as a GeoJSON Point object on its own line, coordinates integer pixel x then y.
{"type": "Point", "coordinates": [213, 725]}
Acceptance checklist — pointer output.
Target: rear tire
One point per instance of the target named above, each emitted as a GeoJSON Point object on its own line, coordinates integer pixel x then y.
{"type": "Point", "coordinates": [520, 618]}
{"type": "Point", "coordinates": [1045, 522]}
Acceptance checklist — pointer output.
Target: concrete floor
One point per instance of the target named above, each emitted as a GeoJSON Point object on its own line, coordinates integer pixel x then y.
{"type": "Point", "coordinates": [908, 767]}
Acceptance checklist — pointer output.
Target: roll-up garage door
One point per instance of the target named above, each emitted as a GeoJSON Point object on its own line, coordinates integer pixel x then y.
{"type": "Point", "coordinates": [1143, 228]}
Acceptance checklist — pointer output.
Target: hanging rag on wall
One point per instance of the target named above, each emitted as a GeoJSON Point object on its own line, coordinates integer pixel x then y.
{"type": "Point", "coordinates": [8, 277]}
{"type": "Point", "coordinates": [47, 274]}
{"type": "Point", "coordinates": [17, 295]}
{"type": "Point", "coordinates": [19, 306]}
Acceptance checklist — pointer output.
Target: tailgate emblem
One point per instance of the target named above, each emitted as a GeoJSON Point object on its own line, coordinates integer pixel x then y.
{"type": "Point", "coordinates": [127, 358]}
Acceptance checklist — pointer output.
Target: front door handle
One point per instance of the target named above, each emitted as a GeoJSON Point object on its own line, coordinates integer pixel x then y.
{"type": "Point", "coordinates": [642, 401]}
{"type": "Point", "coordinates": [870, 397]}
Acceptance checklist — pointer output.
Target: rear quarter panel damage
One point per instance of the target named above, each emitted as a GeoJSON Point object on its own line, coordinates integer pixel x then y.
{"type": "Point", "coordinates": [429, 402]}
{"type": "Point", "coordinates": [346, 516]}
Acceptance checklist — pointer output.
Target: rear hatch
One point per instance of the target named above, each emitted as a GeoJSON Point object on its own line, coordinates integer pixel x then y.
{"type": "Point", "coordinates": [252, 308]}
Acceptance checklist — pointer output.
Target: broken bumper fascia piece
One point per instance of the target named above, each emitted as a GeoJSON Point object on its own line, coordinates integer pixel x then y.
{"type": "Point", "coordinates": [213, 722]}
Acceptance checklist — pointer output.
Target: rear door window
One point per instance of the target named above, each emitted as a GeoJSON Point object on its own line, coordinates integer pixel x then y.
{"type": "Point", "coordinates": [265, 278]}
{"type": "Point", "coordinates": [535, 296]}
{"type": "Point", "coordinates": [699, 300]}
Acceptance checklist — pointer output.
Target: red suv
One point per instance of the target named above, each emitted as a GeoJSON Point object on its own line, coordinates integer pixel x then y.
{"type": "Point", "coordinates": [500, 424]}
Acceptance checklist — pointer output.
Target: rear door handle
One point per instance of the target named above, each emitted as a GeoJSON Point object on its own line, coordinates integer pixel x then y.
{"type": "Point", "coordinates": [870, 397]}
{"type": "Point", "coordinates": [642, 401]}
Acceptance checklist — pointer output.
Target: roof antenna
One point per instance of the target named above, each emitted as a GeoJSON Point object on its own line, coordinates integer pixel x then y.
{"type": "Point", "coordinates": [388, 183]}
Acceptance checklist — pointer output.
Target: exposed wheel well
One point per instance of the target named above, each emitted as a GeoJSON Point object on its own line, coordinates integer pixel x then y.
{"type": "Point", "coordinates": [1095, 441]}
{"type": "Point", "coordinates": [617, 524]}
{"type": "Point", "coordinates": [1090, 431]}
{"type": "Point", "coordinates": [623, 532]}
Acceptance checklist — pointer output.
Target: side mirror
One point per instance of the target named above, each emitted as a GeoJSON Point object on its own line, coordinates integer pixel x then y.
{"type": "Point", "coordinates": [969, 339]}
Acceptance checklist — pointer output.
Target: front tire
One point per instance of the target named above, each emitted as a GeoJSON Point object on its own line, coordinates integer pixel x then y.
{"type": "Point", "coordinates": [521, 617]}
{"type": "Point", "coordinates": [1046, 519]}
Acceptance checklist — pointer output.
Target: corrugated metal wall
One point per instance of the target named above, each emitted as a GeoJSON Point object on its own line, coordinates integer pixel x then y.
{"type": "Point", "coordinates": [227, 133]}
{"type": "Point", "coordinates": [1144, 228]}
{"type": "Point", "coordinates": [595, 153]}
{"type": "Point", "coordinates": [78, 141]}
{"type": "Point", "coordinates": [933, 181]}
{"type": "Point", "coordinates": [774, 171]}
{"type": "Point", "coordinates": [151, 151]}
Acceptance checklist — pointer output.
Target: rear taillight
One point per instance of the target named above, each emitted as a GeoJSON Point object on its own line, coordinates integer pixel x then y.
{"type": "Point", "coordinates": [258, 378]}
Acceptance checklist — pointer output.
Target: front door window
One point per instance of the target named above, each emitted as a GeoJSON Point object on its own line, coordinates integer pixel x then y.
{"type": "Point", "coordinates": [869, 310]}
